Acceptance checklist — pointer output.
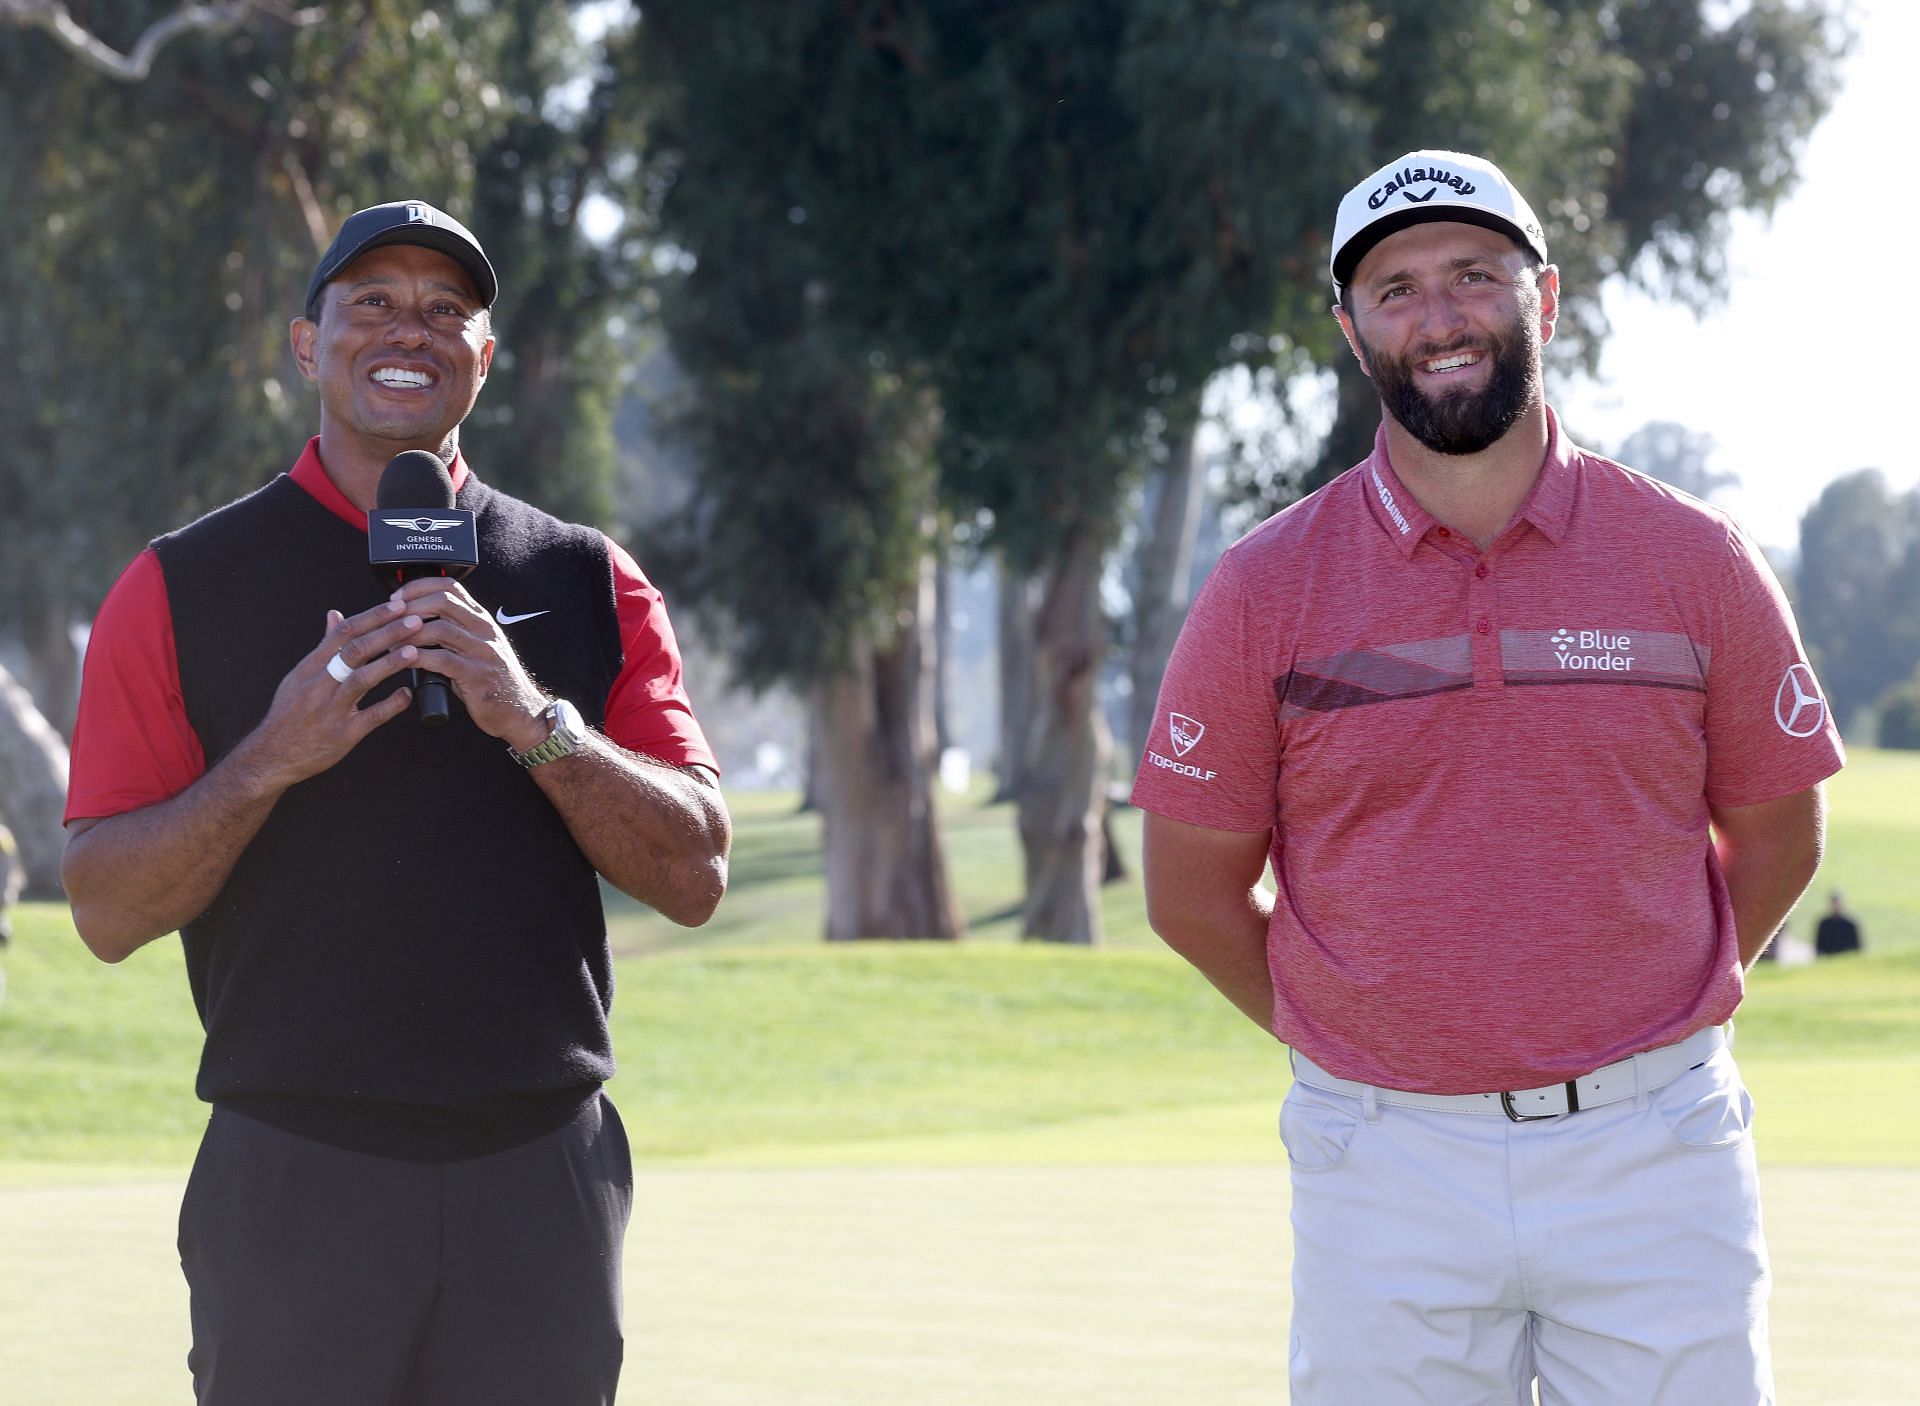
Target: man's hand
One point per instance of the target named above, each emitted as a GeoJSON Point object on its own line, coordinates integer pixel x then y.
{"type": "Point", "coordinates": [133, 876]}
{"type": "Point", "coordinates": [314, 719]}
{"type": "Point", "coordinates": [656, 832]}
{"type": "Point", "coordinates": [1768, 855]}
{"type": "Point", "coordinates": [464, 645]}
{"type": "Point", "coordinates": [1204, 899]}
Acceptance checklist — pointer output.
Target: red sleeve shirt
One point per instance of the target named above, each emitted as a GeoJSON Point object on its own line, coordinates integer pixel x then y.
{"type": "Point", "coordinates": [133, 745]}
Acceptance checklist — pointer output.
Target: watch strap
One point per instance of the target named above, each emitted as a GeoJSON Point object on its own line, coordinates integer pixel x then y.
{"type": "Point", "coordinates": [560, 741]}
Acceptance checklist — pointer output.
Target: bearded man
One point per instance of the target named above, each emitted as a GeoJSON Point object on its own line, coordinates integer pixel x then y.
{"type": "Point", "coordinates": [1535, 754]}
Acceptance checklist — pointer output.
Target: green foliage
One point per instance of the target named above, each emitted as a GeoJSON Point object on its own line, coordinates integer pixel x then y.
{"type": "Point", "coordinates": [1054, 219]}
{"type": "Point", "coordinates": [157, 246]}
{"type": "Point", "coordinates": [1723, 99]}
{"type": "Point", "coordinates": [124, 346]}
{"type": "Point", "coordinates": [159, 237]}
{"type": "Point", "coordinates": [1858, 589]}
{"type": "Point", "coordinates": [1900, 716]}
{"type": "Point", "coordinates": [815, 488]}
{"type": "Point", "coordinates": [805, 527]}
{"type": "Point", "coordinates": [1635, 130]}
{"type": "Point", "coordinates": [568, 145]}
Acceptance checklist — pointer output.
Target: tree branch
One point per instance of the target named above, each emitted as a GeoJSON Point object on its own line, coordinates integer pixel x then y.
{"type": "Point", "coordinates": [134, 65]}
{"type": "Point", "coordinates": [307, 199]}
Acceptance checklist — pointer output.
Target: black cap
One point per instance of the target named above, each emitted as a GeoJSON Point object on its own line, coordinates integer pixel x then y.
{"type": "Point", "coordinates": [405, 222]}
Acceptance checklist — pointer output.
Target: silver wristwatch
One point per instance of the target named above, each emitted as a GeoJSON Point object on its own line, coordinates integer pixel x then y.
{"type": "Point", "coordinates": [568, 736]}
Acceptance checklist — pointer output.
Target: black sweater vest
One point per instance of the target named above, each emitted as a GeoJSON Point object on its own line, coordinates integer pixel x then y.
{"type": "Point", "coordinates": [410, 958]}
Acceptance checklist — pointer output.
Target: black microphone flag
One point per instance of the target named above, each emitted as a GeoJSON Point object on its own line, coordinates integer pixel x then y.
{"type": "Point", "coordinates": [415, 530]}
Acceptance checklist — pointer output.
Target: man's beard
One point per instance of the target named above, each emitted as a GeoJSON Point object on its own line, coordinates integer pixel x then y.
{"type": "Point", "coordinates": [1463, 421]}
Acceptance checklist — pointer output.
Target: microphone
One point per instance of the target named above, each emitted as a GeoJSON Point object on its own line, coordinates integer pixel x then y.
{"type": "Point", "coordinates": [414, 530]}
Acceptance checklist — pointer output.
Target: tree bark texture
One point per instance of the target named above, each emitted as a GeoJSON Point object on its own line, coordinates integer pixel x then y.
{"type": "Point", "coordinates": [874, 767]}
{"type": "Point", "coordinates": [1063, 799]}
{"type": "Point", "coordinates": [942, 643]}
{"type": "Point", "coordinates": [33, 787]}
{"type": "Point", "coordinates": [137, 63]}
{"type": "Point", "coordinates": [1015, 606]}
{"type": "Point", "coordinates": [51, 674]}
{"type": "Point", "coordinates": [1175, 496]}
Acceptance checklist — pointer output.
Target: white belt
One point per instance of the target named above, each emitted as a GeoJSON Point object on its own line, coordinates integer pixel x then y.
{"type": "Point", "coordinates": [1614, 1083]}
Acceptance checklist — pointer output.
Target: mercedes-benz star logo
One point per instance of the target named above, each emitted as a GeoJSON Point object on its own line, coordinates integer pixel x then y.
{"type": "Point", "coordinates": [1797, 704]}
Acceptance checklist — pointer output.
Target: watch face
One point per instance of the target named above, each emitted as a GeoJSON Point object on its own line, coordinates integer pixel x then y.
{"type": "Point", "coordinates": [568, 735]}
{"type": "Point", "coordinates": [568, 723]}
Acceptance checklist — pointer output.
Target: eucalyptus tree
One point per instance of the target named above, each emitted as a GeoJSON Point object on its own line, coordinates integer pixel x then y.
{"type": "Point", "coordinates": [1060, 218]}
{"type": "Point", "coordinates": [1051, 218]}
{"type": "Point", "coordinates": [1637, 128]}
{"type": "Point", "coordinates": [1857, 589]}
{"type": "Point", "coordinates": [156, 237]}
{"type": "Point", "coordinates": [808, 537]}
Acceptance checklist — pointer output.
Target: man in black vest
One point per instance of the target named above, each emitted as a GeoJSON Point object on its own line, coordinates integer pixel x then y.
{"type": "Point", "coordinates": [412, 1187]}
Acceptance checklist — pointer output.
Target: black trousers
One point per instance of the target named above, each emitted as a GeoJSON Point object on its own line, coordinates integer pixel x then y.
{"type": "Point", "coordinates": [321, 1277]}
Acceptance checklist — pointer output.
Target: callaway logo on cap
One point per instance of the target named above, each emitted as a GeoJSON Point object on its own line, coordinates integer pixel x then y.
{"type": "Point", "coordinates": [1430, 185]}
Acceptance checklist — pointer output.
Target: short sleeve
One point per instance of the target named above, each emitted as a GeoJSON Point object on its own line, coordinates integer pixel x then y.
{"type": "Point", "coordinates": [647, 707]}
{"type": "Point", "coordinates": [1770, 732]}
{"type": "Point", "coordinates": [1212, 756]}
{"type": "Point", "coordinates": [132, 743]}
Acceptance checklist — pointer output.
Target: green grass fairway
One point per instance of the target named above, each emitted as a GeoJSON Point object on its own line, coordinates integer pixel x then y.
{"type": "Point", "coordinates": [940, 1286]}
{"type": "Point", "coordinates": [983, 1172]}
{"type": "Point", "coordinates": [798, 1055]}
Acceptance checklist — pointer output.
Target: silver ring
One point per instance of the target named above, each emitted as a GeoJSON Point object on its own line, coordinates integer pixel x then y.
{"type": "Point", "coordinates": [339, 669]}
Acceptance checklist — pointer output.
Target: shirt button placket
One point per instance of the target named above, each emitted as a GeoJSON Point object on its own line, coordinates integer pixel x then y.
{"type": "Point", "coordinates": [1483, 615]}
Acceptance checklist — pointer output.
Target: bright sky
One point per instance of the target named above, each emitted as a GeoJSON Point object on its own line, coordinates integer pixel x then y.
{"type": "Point", "coordinates": [1794, 375]}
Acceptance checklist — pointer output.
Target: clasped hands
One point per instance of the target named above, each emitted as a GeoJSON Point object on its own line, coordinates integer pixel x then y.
{"type": "Point", "coordinates": [431, 623]}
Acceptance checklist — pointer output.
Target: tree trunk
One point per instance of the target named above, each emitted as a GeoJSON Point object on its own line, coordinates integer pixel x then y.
{"type": "Point", "coordinates": [1064, 797]}
{"type": "Point", "coordinates": [875, 765]}
{"type": "Point", "coordinates": [53, 664]}
{"type": "Point", "coordinates": [1175, 495]}
{"type": "Point", "coordinates": [33, 787]}
{"type": "Point", "coordinates": [942, 642]}
{"type": "Point", "coordinates": [810, 763]}
{"type": "Point", "coordinates": [1356, 417]}
{"type": "Point", "coordinates": [1015, 611]}
{"type": "Point", "coordinates": [1113, 867]}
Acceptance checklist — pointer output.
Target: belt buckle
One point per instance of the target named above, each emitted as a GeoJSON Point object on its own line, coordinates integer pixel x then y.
{"type": "Point", "coordinates": [1514, 1115]}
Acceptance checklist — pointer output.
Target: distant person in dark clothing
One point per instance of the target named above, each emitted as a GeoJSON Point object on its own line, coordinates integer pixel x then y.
{"type": "Point", "coordinates": [1838, 932]}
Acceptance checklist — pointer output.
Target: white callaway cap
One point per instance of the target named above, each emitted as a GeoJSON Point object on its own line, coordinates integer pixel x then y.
{"type": "Point", "coordinates": [1429, 185]}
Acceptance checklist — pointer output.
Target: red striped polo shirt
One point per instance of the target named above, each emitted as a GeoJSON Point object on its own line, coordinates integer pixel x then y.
{"type": "Point", "coordinates": [1487, 774]}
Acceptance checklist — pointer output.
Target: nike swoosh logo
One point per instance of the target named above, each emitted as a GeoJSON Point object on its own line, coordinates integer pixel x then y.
{"type": "Point", "coordinates": [506, 619]}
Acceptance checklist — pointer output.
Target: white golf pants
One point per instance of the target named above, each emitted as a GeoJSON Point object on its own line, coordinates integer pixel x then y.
{"type": "Point", "coordinates": [1449, 1258]}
